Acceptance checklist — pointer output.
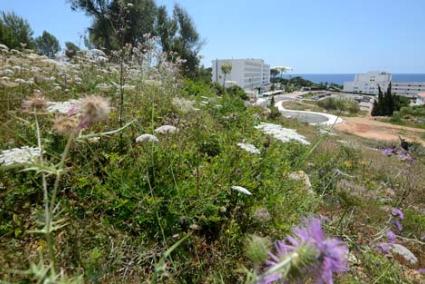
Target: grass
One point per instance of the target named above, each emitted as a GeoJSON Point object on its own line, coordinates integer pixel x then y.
{"type": "Point", "coordinates": [165, 212]}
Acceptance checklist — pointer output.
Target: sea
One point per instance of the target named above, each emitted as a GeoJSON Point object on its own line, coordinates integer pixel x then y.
{"type": "Point", "coordinates": [341, 78]}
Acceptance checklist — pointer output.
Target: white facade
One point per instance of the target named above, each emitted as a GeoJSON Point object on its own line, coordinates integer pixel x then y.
{"type": "Point", "coordinates": [411, 89]}
{"type": "Point", "coordinates": [248, 74]}
{"type": "Point", "coordinates": [368, 83]}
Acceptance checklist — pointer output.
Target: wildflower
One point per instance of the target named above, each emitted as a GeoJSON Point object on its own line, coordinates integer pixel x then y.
{"type": "Point", "coordinates": [104, 87]}
{"type": "Point", "coordinates": [127, 87]}
{"type": "Point", "coordinates": [153, 83]}
{"type": "Point", "coordinates": [195, 227]}
{"type": "Point", "coordinates": [306, 254]}
{"type": "Point", "coordinates": [183, 105]}
{"type": "Point", "coordinates": [396, 212]}
{"type": "Point", "coordinates": [94, 140]}
{"type": "Point", "coordinates": [241, 189]}
{"type": "Point", "coordinates": [23, 155]}
{"type": "Point", "coordinates": [93, 109]}
{"type": "Point", "coordinates": [281, 133]}
{"type": "Point", "coordinates": [65, 125]}
{"type": "Point", "coordinates": [262, 215]}
{"type": "Point", "coordinates": [3, 47]}
{"type": "Point", "coordinates": [147, 138]}
{"type": "Point", "coordinates": [384, 247]}
{"type": "Point", "coordinates": [63, 107]}
{"type": "Point", "coordinates": [398, 216]}
{"type": "Point", "coordinates": [302, 176]}
{"type": "Point", "coordinates": [249, 148]}
{"type": "Point", "coordinates": [391, 237]}
{"type": "Point", "coordinates": [36, 102]}
{"type": "Point", "coordinates": [165, 129]}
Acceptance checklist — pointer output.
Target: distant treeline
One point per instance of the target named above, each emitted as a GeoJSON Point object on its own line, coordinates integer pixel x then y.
{"type": "Point", "coordinates": [297, 83]}
{"type": "Point", "coordinates": [117, 23]}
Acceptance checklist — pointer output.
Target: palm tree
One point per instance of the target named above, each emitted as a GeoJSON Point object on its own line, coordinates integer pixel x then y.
{"type": "Point", "coordinates": [226, 68]}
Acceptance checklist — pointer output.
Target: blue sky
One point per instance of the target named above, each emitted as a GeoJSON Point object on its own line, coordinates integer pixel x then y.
{"type": "Point", "coordinates": [313, 36]}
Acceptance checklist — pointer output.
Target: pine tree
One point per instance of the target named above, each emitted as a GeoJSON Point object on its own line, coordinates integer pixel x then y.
{"type": "Point", "coordinates": [47, 44]}
{"type": "Point", "coordinates": [15, 31]}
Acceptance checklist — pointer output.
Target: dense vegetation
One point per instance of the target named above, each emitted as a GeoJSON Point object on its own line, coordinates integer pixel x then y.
{"type": "Point", "coordinates": [15, 32]}
{"type": "Point", "coordinates": [339, 104]}
{"type": "Point", "coordinates": [176, 209]}
{"type": "Point", "coordinates": [296, 83]}
{"type": "Point", "coordinates": [129, 166]}
{"type": "Point", "coordinates": [410, 116]}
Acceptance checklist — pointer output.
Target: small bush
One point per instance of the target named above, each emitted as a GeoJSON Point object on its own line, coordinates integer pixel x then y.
{"type": "Point", "coordinates": [347, 105]}
{"type": "Point", "coordinates": [237, 91]}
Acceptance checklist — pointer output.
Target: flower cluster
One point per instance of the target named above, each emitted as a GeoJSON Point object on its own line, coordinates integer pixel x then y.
{"type": "Point", "coordinates": [308, 254]}
{"type": "Point", "coordinates": [23, 155]}
{"type": "Point", "coordinates": [396, 217]}
{"type": "Point", "coordinates": [249, 148]}
{"type": "Point", "coordinates": [184, 105]}
{"type": "Point", "coordinates": [281, 133]}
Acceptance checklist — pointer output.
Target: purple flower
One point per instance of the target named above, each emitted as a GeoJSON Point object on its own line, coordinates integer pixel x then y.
{"type": "Point", "coordinates": [391, 237]}
{"type": "Point", "coordinates": [308, 253]}
{"type": "Point", "coordinates": [388, 151]}
{"type": "Point", "coordinates": [396, 212]}
{"type": "Point", "coordinates": [384, 247]}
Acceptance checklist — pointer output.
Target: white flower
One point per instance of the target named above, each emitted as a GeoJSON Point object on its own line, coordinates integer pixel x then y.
{"type": "Point", "coordinates": [249, 148]}
{"type": "Point", "coordinates": [94, 140]}
{"type": "Point", "coordinates": [128, 87]}
{"type": "Point", "coordinates": [62, 107]}
{"type": "Point", "coordinates": [147, 138]}
{"type": "Point", "coordinates": [183, 104]}
{"type": "Point", "coordinates": [20, 81]}
{"type": "Point", "coordinates": [104, 87]}
{"type": "Point", "coordinates": [166, 129]}
{"type": "Point", "coordinates": [21, 155]}
{"type": "Point", "coordinates": [281, 133]}
{"type": "Point", "coordinates": [7, 72]}
{"type": "Point", "coordinates": [152, 83]}
{"type": "Point", "coordinates": [241, 189]}
{"type": "Point", "coordinates": [3, 47]}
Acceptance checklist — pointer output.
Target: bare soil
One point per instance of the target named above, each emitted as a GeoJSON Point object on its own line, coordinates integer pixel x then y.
{"type": "Point", "coordinates": [370, 128]}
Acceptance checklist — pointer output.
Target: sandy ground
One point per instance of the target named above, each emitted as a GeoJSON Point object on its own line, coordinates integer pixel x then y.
{"type": "Point", "coordinates": [367, 127]}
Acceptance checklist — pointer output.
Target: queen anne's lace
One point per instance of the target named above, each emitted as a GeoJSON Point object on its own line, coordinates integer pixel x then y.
{"type": "Point", "coordinates": [21, 155]}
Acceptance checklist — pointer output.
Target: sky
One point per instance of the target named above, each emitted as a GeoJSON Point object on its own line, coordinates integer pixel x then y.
{"type": "Point", "coordinates": [312, 36]}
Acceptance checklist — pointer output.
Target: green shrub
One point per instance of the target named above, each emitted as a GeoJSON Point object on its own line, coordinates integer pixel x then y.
{"type": "Point", "coordinates": [339, 104]}
{"type": "Point", "coordinates": [238, 92]}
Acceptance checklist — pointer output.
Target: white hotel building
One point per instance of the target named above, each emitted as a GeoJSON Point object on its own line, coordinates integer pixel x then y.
{"type": "Point", "coordinates": [249, 74]}
{"type": "Point", "coordinates": [368, 83]}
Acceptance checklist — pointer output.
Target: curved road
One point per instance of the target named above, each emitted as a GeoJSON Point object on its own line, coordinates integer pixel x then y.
{"type": "Point", "coordinates": [311, 117]}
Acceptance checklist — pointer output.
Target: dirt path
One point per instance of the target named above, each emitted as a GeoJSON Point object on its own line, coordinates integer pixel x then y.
{"type": "Point", "coordinates": [372, 129]}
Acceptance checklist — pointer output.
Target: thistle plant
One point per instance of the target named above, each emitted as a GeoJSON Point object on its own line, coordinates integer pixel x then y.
{"type": "Point", "coordinates": [308, 254]}
{"type": "Point", "coordinates": [92, 109]}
